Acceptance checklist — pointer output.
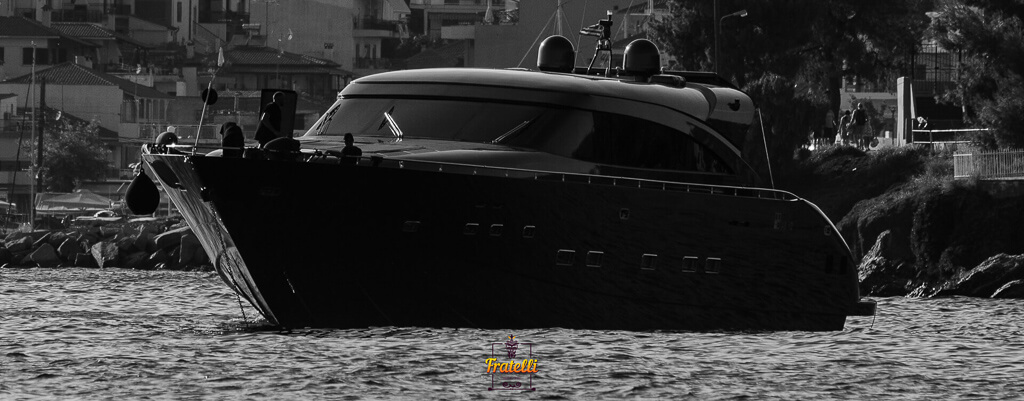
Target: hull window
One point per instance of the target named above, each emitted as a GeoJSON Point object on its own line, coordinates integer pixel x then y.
{"type": "Point", "coordinates": [411, 226]}
{"type": "Point", "coordinates": [529, 231]}
{"type": "Point", "coordinates": [471, 229]}
{"type": "Point", "coordinates": [595, 258]}
{"type": "Point", "coordinates": [565, 257]}
{"type": "Point", "coordinates": [648, 261]}
{"type": "Point", "coordinates": [496, 230]}
{"type": "Point", "coordinates": [690, 264]}
{"type": "Point", "coordinates": [713, 265]}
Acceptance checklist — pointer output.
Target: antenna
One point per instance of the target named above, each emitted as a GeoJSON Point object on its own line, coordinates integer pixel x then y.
{"type": "Point", "coordinates": [603, 31]}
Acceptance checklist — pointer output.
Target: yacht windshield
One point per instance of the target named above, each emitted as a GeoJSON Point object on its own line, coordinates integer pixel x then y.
{"type": "Point", "coordinates": [580, 134]}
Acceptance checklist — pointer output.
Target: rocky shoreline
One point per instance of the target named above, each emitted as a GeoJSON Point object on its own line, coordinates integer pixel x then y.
{"type": "Point", "coordinates": [145, 245]}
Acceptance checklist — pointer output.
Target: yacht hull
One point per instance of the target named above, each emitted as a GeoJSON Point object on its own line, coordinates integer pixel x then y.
{"type": "Point", "coordinates": [328, 245]}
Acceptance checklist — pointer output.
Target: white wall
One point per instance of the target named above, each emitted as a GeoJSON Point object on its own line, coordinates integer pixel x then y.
{"type": "Point", "coordinates": [87, 102]}
{"type": "Point", "coordinates": [312, 23]}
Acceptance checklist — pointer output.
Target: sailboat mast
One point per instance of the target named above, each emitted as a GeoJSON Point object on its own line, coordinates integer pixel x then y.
{"type": "Point", "coordinates": [559, 17]}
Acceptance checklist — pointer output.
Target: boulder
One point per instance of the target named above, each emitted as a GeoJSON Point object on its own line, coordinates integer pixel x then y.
{"type": "Point", "coordinates": [57, 238]}
{"type": "Point", "coordinates": [42, 240]}
{"type": "Point", "coordinates": [1011, 290]}
{"type": "Point", "coordinates": [144, 242]}
{"type": "Point", "coordinates": [109, 231]}
{"type": "Point", "coordinates": [19, 244]}
{"type": "Point", "coordinates": [45, 256]}
{"type": "Point", "coordinates": [84, 260]}
{"type": "Point", "coordinates": [34, 235]}
{"type": "Point", "coordinates": [68, 249]}
{"type": "Point", "coordinates": [884, 274]}
{"type": "Point", "coordinates": [137, 260]}
{"type": "Point", "coordinates": [126, 242]}
{"type": "Point", "coordinates": [986, 278]}
{"type": "Point", "coordinates": [21, 259]}
{"type": "Point", "coordinates": [158, 258]}
{"type": "Point", "coordinates": [171, 238]}
{"type": "Point", "coordinates": [5, 256]}
{"type": "Point", "coordinates": [105, 254]}
{"type": "Point", "coordinates": [190, 249]}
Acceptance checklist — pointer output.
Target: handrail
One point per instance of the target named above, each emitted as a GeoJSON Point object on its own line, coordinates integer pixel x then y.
{"type": "Point", "coordinates": [521, 173]}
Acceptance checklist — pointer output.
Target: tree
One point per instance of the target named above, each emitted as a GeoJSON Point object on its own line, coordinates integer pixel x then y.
{"type": "Point", "coordinates": [72, 153]}
{"type": "Point", "coordinates": [989, 36]}
{"type": "Point", "coordinates": [791, 55]}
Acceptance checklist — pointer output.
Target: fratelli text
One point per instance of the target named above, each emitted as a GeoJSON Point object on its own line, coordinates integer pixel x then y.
{"type": "Point", "coordinates": [526, 366]}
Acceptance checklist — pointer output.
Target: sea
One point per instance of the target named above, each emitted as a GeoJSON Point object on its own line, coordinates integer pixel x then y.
{"type": "Point", "coordinates": [71, 334]}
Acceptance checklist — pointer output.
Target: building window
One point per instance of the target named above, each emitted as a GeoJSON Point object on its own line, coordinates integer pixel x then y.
{"type": "Point", "coordinates": [42, 56]}
{"type": "Point", "coordinates": [1, 56]}
{"type": "Point", "coordinates": [179, 12]}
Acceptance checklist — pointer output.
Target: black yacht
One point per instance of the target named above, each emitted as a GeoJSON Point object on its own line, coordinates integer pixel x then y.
{"type": "Point", "coordinates": [517, 198]}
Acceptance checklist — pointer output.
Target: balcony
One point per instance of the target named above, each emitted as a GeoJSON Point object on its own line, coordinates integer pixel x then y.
{"type": "Point", "coordinates": [373, 27]}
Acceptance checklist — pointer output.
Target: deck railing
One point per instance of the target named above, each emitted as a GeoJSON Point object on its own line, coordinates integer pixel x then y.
{"type": "Point", "coordinates": [999, 164]}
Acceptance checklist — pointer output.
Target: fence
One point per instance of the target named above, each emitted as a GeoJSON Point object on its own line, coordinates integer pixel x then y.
{"type": "Point", "coordinates": [1000, 164]}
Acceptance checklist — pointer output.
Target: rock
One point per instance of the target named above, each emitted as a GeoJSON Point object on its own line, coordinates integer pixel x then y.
{"type": "Point", "coordinates": [144, 242]}
{"type": "Point", "coordinates": [158, 258]}
{"type": "Point", "coordinates": [190, 249]}
{"type": "Point", "coordinates": [35, 235]}
{"type": "Point", "coordinates": [45, 256]}
{"type": "Point", "coordinates": [109, 231]}
{"type": "Point", "coordinates": [137, 260]}
{"type": "Point", "coordinates": [171, 238]}
{"type": "Point", "coordinates": [5, 256]}
{"type": "Point", "coordinates": [84, 260]}
{"type": "Point", "coordinates": [42, 240]}
{"type": "Point", "coordinates": [19, 244]}
{"type": "Point", "coordinates": [986, 278]}
{"type": "Point", "coordinates": [21, 259]}
{"type": "Point", "coordinates": [882, 275]}
{"type": "Point", "coordinates": [105, 254]}
{"type": "Point", "coordinates": [57, 238]}
{"type": "Point", "coordinates": [126, 243]}
{"type": "Point", "coordinates": [1011, 290]}
{"type": "Point", "coordinates": [68, 249]}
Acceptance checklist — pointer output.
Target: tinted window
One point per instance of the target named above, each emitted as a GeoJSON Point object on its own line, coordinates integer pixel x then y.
{"type": "Point", "coordinates": [602, 138]}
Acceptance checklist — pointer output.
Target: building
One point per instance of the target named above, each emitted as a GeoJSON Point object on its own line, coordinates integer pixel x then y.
{"type": "Point", "coordinates": [124, 109]}
{"type": "Point", "coordinates": [357, 35]}
{"type": "Point", "coordinates": [24, 43]}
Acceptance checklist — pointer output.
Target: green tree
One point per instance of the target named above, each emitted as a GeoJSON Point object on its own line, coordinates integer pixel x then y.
{"type": "Point", "coordinates": [989, 36]}
{"type": "Point", "coordinates": [72, 153]}
{"type": "Point", "coordinates": [791, 55]}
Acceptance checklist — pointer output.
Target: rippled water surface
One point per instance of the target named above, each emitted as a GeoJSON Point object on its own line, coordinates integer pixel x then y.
{"type": "Point", "coordinates": [122, 334]}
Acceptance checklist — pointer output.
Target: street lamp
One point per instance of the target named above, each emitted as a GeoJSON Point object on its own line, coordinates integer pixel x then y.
{"type": "Point", "coordinates": [718, 29]}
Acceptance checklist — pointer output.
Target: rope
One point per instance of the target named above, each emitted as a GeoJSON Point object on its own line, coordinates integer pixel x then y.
{"type": "Point", "coordinates": [760, 119]}
{"type": "Point", "coordinates": [535, 40]}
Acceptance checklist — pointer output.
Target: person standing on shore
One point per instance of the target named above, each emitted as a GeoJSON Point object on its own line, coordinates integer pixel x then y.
{"type": "Point", "coordinates": [829, 131]}
{"type": "Point", "coordinates": [859, 126]}
{"type": "Point", "coordinates": [270, 120]}
{"type": "Point", "coordinates": [844, 128]}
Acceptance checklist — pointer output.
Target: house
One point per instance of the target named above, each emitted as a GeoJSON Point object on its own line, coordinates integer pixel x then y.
{"type": "Point", "coordinates": [134, 113]}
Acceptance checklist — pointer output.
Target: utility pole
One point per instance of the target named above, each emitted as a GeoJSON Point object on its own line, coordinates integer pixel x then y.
{"type": "Point", "coordinates": [42, 128]}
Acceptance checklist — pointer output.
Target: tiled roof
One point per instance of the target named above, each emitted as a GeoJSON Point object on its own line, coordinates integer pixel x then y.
{"type": "Point", "coordinates": [73, 74]}
{"type": "Point", "coordinates": [259, 55]}
{"type": "Point", "coordinates": [92, 31]}
{"type": "Point", "coordinates": [24, 27]}
{"type": "Point", "coordinates": [84, 30]}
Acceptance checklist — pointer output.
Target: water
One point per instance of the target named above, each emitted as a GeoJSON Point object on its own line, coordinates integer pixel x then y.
{"type": "Point", "coordinates": [122, 334]}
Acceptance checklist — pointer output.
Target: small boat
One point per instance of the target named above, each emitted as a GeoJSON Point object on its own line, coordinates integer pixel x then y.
{"type": "Point", "coordinates": [519, 198]}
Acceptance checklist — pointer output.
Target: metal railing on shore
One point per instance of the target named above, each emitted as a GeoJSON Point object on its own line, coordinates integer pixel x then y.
{"type": "Point", "coordinates": [999, 164]}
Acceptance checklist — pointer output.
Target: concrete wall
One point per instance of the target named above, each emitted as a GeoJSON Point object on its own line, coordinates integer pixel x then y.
{"type": "Point", "coordinates": [312, 23]}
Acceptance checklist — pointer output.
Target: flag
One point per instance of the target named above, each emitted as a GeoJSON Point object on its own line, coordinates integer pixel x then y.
{"type": "Point", "coordinates": [489, 14]}
{"type": "Point", "coordinates": [220, 57]}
